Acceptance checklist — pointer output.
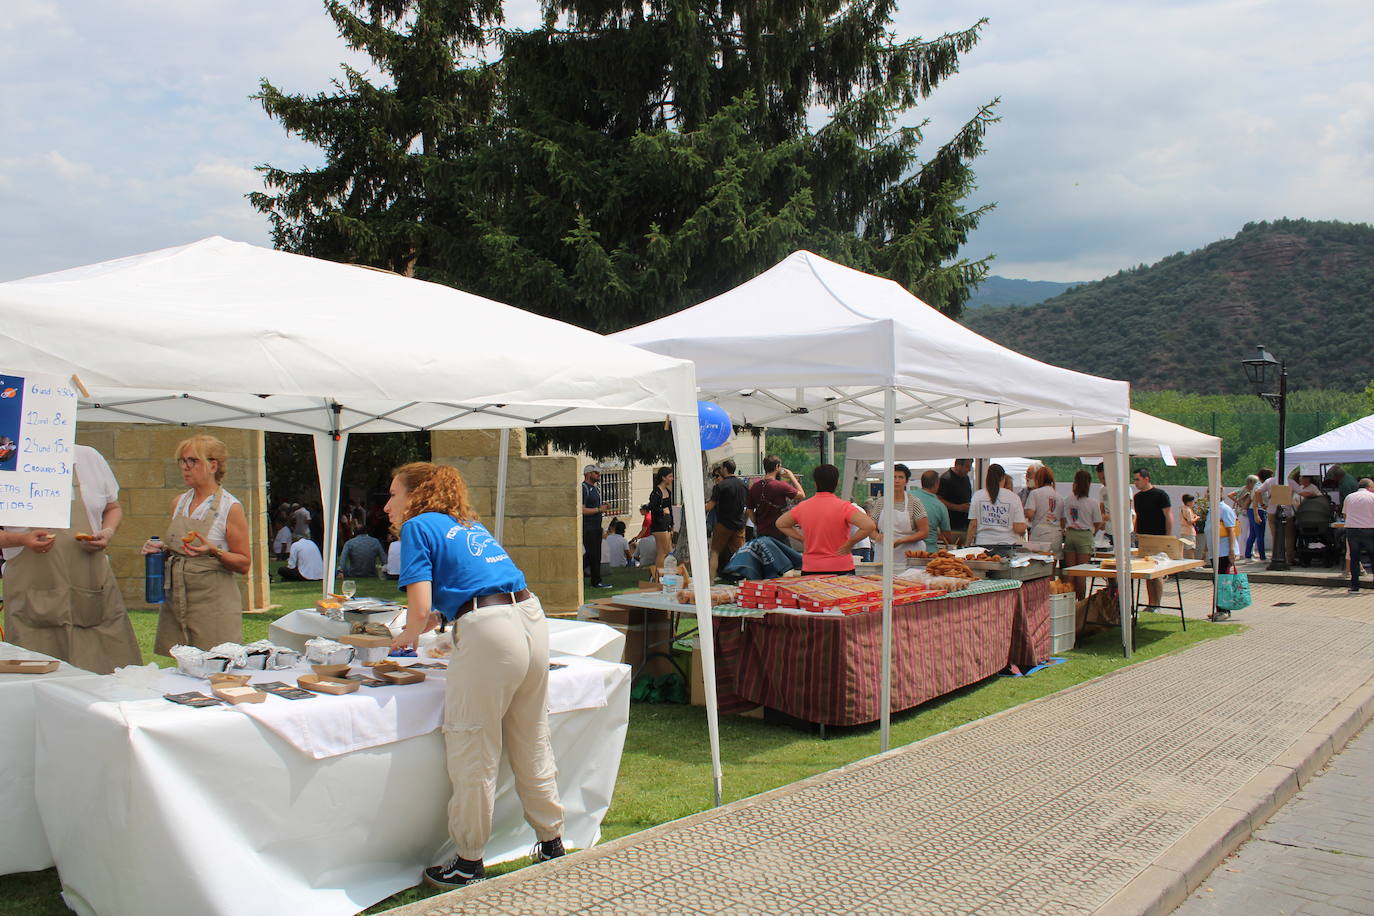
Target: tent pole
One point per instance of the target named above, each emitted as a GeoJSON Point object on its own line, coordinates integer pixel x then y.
{"type": "Point", "coordinates": [329, 456]}
{"type": "Point", "coordinates": [687, 441]}
{"type": "Point", "coordinates": [1119, 488]}
{"type": "Point", "coordinates": [889, 527]}
{"type": "Point", "coordinates": [1214, 539]}
{"type": "Point", "coordinates": [829, 446]}
{"type": "Point", "coordinates": [502, 463]}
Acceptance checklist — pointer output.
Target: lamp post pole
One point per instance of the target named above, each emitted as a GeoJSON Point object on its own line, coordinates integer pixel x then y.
{"type": "Point", "coordinates": [1263, 369]}
{"type": "Point", "coordinates": [1278, 557]}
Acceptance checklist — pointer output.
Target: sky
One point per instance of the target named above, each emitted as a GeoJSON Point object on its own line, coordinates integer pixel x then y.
{"type": "Point", "coordinates": [1130, 130]}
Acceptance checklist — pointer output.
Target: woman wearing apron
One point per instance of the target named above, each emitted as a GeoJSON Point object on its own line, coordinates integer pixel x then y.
{"type": "Point", "coordinates": [61, 598]}
{"type": "Point", "coordinates": [206, 544]}
{"type": "Point", "coordinates": [910, 526]}
{"type": "Point", "coordinates": [1043, 509]}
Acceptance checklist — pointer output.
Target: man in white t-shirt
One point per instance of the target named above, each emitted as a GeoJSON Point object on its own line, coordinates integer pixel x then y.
{"type": "Point", "coordinates": [304, 564]}
{"type": "Point", "coordinates": [1359, 528]}
{"type": "Point", "coordinates": [281, 544]}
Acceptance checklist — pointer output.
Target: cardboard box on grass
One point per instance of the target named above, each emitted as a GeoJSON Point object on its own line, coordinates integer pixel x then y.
{"type": "Point", "coordinates": [697, 684]}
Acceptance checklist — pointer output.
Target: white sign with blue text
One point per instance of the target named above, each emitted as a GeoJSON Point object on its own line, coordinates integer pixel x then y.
{"type": "Point", "coordinates": [37, 449]}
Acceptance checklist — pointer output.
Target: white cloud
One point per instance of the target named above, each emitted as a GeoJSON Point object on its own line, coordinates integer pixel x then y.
{"type": "Point", "coordinates": [225, 174]}
{"type": "Point", "coordinates": [67, 170]}
{"type": "Point", "coordinates": [1137, 129]}
{"type": "Point", "coordinates": [1130, 130]}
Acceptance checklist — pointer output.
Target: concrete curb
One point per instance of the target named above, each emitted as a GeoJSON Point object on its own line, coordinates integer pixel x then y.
{"type": "Point", "coordinates": [1315, 579]}
{"type": "Point", "coordinates": [1167, 881]}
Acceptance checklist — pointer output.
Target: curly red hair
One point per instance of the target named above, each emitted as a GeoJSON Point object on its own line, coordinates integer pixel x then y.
{"type": "Point", "coordinates": [435, 488]}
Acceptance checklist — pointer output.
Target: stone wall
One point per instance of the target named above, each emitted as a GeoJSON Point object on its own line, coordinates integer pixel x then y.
{"type": "Point", "coordinates": [142, 458]}
{"type": "Point", "coordinates": [543, 532]}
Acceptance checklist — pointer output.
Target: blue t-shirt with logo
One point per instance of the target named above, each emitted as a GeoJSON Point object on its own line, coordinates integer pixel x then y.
{"type": "Point", "coordinates": [460, 559]}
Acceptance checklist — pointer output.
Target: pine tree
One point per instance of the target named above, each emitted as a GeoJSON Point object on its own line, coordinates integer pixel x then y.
{"type": "Point", "coordinates": [370, 203]}
{"type": "Point", "coordinates": [628, 159]}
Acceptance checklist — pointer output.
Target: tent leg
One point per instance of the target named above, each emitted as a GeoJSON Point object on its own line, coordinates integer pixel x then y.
{"type": "Point", "coordinates": [687, 441]}
{"type": "Point", "coordinates": [889, 528]}
{"type": "Point", "coordinates": [1118, 488]}
{"type": "Point", "coordinates": [329, 458]}
{"type": "Point", "coordinates": [502, 464]}
{"type": "Point", "coordinates": [1214, 538]}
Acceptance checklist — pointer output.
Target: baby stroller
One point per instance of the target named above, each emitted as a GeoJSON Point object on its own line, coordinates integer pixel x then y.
{"type": "Point", "coordinates": [1313, 536]}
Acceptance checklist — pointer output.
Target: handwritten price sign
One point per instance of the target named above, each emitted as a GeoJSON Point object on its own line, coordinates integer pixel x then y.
{"type": "Point", "coordinates": [37, 449]}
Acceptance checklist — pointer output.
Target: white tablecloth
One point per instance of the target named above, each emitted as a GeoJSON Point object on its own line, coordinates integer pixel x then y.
{"type": "Point", "coordinates": [23, 846]}
{"type": "Point", "coordinates": [323, 727]}
{"type": "Point", "coordinates": [154, 808]}
{"type": "Point", "coordinates": [566, 637]}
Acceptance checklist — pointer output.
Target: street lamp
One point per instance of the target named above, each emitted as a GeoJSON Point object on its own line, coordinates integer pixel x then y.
{"type": "Point", "coordinates": [1263, 370]}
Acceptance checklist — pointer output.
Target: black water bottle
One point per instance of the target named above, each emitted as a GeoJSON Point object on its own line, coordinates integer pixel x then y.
{"type": "Point", "coordinates": [154, 564]}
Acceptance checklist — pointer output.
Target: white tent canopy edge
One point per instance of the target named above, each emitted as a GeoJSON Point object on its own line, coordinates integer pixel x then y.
{"type": "Point", "coordinates": [1145, 435]}
{"type": "Point", "coordinates": [228, 334]}
{"type": "Point", "coordinates": [1353, 442]}
{"type": "Point", "coordinates": [813, 345]}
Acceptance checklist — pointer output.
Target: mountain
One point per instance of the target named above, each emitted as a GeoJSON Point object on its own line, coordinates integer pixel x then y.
{"type": "Point", "coordinates": [996, 291]}
{"type": "Point", "coordinates": [1304, 289]}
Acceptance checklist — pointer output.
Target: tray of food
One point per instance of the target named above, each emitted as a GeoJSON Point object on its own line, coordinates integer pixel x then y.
{"type": "Point", "coordinates": [28, 665]}
{"type": "Point", "coordinates": [946, 563]}
{"type": "Point", "coordinates": [365, 610]}
{"type": "Point", "coordinates": [319, 683]}
{"type": "Point", "coordinates": [972, 558]}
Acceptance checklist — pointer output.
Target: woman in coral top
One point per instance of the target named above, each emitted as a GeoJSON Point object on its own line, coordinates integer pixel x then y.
{"type": "Point", "coordinates": [827, 526]}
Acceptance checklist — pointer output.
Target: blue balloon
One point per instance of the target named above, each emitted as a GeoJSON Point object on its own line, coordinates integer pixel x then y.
{"type": "Point", "coordinates": [714, 423]}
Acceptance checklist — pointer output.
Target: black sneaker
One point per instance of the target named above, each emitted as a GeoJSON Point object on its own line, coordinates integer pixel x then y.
{"type": "Point", "coordinates": [459, 872]}
{"type": "Point", "coordinates": [548, 849]}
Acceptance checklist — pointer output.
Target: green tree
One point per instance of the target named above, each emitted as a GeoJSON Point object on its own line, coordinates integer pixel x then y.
{"type": "Point", "coordinates": [627, 159]}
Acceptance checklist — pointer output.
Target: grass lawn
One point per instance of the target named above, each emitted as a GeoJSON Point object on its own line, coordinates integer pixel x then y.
{"type": "Point", "coordinates": [665, 770]}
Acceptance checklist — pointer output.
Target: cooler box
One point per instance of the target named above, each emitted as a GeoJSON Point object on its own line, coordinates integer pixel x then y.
{"type": "Point", "coordinates": [1063, 622]}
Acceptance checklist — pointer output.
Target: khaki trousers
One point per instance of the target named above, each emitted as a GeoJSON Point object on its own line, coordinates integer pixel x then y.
{"type": "Point", "coordinates": [497, 696]}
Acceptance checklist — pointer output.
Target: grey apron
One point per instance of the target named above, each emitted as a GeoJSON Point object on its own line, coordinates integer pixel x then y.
{"type": "Point", "coordinates": [66, 603]}
{"type": "Point", "coordinates": [203, 607]}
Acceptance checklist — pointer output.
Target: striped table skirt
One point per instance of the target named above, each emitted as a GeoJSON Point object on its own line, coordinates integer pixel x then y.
{"type": "Point", "coordinates": [828, 669]}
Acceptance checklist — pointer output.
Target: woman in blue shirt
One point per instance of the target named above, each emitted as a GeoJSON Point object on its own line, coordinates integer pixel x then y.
{"type": "Point", "coordinates": [498, 674]}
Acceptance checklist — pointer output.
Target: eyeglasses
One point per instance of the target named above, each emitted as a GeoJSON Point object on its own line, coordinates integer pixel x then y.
{"type": "Point", "coordinates": [188, 462]}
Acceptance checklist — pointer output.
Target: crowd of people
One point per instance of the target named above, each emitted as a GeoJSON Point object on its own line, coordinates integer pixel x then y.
{"type": "Point", "coordinates": [368, 547]}
{"type": "Point", "coordinates": [760, 528]}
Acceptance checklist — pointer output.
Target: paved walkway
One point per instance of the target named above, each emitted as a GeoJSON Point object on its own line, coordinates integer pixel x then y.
{"type": "Point", "coordinates": [1315, 857]}
{"type": "Point", "coordinates": [1117, 796]}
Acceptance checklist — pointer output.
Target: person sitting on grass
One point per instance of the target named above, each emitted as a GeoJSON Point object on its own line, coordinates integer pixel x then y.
{"type": "Point", "coordinates": [615, 552]}
{"type": "Point", "coordinates": [361, 556]}
{"type": "Point", "coordinates": [305, 563]}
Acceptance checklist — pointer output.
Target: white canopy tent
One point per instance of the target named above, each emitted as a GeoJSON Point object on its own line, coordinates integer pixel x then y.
{"type": "Point", "coordinates": [1015, 467]}
{"type": "Point", "coordinates": [1145, 436]}
{"type": "Point", "coordinates": [1348, 443]}
{"type": "Point", "coordinates": [222, 333]}
{"type": "Point", "coordinates": [812, 345]}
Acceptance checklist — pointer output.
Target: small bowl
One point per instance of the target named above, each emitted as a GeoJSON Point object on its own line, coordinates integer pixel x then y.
{"type": "Point", "coordinates": [330, 670]}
